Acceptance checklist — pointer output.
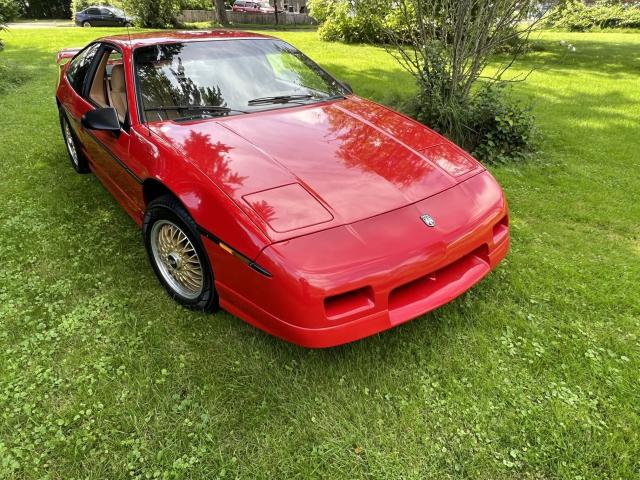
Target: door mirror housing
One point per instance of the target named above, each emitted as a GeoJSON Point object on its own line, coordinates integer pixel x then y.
{"type": "Point", "coordinates": [105, 119]}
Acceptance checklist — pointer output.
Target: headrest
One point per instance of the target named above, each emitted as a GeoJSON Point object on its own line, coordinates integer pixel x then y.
{"type": "Point", "coordinates": [117, 78]}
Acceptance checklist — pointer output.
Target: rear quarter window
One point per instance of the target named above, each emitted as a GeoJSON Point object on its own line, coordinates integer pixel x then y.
{"type": "Point", "coordinates": [79, 67]}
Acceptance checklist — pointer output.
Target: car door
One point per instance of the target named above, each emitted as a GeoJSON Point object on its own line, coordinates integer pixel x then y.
{"type": "Point", "coordinates": [93, 16]}
{"type": "Point", "coordinates": [71, 97]}
{"type": "Point", "coordinates": [106, 17]}
{"type": "Point", "coordinates": [109, 152]}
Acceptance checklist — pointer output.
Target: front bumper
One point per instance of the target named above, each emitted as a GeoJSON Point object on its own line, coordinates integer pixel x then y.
{"type": "Point", "coordinates": [349, 282]}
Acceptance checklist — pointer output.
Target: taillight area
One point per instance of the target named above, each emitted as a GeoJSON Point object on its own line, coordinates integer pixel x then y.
{"type": "Point", "coordinates": [348, 303]}
{"type": "Point", "coordinates": [501, 230]}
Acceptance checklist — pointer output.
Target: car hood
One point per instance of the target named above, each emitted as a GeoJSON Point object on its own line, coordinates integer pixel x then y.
{"type": "Point", "coordinates": [302, 169]}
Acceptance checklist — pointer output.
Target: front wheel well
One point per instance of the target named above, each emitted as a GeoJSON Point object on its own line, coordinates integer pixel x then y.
{"type": "Point", "coordinates": [152, 189]}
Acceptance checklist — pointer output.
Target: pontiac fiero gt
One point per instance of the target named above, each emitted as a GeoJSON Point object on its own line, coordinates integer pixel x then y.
{"type": "Point", "coordinates": [264, 186]}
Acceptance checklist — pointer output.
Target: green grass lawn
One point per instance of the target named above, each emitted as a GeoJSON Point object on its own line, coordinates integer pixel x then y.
{"type": "Point", "coordinates": [532, 374]}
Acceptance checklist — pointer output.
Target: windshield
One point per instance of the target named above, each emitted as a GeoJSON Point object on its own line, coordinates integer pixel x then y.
{"type": "Point", "coordinates": [117, 12]}
{"type": "Point", "coordinates": [237, 76]}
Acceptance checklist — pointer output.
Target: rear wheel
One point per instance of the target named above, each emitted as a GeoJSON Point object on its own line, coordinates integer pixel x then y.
{"type": "Point", "coordinates": [177, 255]}
{"type": "Point", "coordinates": [78, 160]}
{"type": "Point", "coordinates": [86, 24]}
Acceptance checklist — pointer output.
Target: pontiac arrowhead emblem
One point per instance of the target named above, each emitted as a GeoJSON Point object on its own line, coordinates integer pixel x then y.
{"type": "Point", "coordinates": [428, 220]}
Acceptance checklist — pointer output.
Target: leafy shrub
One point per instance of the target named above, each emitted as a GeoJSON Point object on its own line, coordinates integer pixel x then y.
{"type": "Point", "coordinates": [502, 129]}
{"type": "Point", "coordinates": [343, 21]}
{"type": "Point", "coordinates": [321, 9]}
{"type": "Point", "coordinates": [354, 21]}
{"type": "Point", "coordinates": [493, 127]}
{"type": "Point", "coordinates": [154, 13]}
{"type": "Point", "coordinates": [9, 10]}
{"type": "Point", "coordinates": [573, 15]}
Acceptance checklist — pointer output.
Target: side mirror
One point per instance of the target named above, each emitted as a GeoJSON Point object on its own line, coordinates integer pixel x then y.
{"type": "Point", "coordinates": [105, 119]}
{"type": "Point", "coordinates": [346, 86]}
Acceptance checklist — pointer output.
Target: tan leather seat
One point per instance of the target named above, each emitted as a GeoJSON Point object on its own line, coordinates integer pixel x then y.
{"type": "Point", "coordinates": [99, 92]}
{"type": "Point", "coordinates": [118, 92]}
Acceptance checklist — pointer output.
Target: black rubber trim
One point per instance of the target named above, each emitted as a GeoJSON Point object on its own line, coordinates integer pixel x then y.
{"type": "Point", "coordinates": [243, 258]}
{"type": "Point", "coordinates": [120, 162]}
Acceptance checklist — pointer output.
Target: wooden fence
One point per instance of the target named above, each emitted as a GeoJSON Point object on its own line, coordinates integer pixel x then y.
{"type": "Point", "coordinates": [248, 18]}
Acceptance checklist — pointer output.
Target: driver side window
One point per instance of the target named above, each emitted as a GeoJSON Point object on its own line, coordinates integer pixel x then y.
{"type": "Point", "coordinates": [108, 86]}
{"type": "Point", "coordinates": [79, 67]}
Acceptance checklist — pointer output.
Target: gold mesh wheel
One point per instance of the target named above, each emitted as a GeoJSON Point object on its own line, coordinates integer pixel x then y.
{"type": "Point", "coordinates": [177, 259]}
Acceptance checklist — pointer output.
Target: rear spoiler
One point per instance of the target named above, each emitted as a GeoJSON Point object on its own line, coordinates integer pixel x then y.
{"type": "Point", "coordinates": [65, 55]}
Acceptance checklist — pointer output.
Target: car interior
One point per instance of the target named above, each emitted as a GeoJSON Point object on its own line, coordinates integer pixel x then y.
{"type": "Point", "coordinates": [108, 86]}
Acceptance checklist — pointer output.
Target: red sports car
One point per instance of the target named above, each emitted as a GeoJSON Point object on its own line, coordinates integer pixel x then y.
{"type": "Point", "coordinates": [263, 185]}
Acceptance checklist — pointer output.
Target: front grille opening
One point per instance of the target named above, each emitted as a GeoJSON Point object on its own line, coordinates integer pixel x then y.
{"type": "Point", "coordinates": [349, 303]}
{"type": "Point", "coordinates": [434, 282]}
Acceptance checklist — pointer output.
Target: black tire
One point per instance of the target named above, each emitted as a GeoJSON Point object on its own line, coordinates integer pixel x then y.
{"type": "Point", "coordinates": [86, 24]}
{"type": "Point", "coordinates": [168, 209]}
{"type": "Point", "coordinates": [128, 24]}
{"type": "Point", "coordinates": [78, 160]}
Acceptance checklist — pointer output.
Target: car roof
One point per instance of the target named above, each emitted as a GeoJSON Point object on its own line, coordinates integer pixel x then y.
{"type": "Point", "coordinates": [173, 36]}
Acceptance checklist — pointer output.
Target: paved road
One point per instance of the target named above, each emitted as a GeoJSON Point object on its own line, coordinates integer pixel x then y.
{"type": "Point", "coordinates": [41, 24]}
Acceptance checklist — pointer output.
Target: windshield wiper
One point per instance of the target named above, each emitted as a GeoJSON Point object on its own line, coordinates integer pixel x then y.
{"type": "Point", "coordinates": [195, 108]}
{"type": "Point", "coordinates": [279, 99]}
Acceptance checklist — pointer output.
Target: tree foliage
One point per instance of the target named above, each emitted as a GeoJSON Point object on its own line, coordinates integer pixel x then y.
{"type": "Point", "coordinates": [154, 13]}
{"type": "Point", "coordinates": [9, 10]}
{"type": "Point", "coordinates": [574, 15]}
{"type": "Point", "coordinates": [45, 8]}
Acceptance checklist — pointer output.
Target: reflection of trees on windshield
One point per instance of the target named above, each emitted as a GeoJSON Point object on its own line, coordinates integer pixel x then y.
{"type": "Point", "coordinates": [171, 86]}
{"type": "Point", "coordinates": [228, 73]}
{"type": "Point", "coordinates": [188, 93]}
{"type": "Point", "coordinates": [219, 167]}
{"type": "Point", "coordinates": [360, 147]}
{"type": "Point", "coordinates": [291, 66]}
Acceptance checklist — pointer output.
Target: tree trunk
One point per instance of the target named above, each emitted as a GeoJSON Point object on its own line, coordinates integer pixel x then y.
{"type": "Point", "coordinates": [221, 12]}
